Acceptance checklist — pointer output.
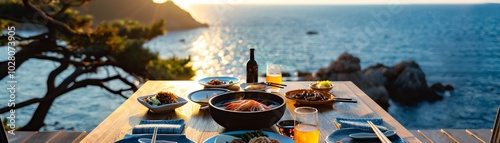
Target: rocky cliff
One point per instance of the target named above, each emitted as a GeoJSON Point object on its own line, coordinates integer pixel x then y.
{"type": "Point", "coordinates": [144, 11]}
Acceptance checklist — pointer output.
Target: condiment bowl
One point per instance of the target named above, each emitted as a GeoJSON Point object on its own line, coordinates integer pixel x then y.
{"type": "Point", "coordinates": [314, 86]}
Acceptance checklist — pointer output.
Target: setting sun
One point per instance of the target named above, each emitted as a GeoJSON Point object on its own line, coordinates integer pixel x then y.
{"type": "Point", "coordinates": [159, 1]}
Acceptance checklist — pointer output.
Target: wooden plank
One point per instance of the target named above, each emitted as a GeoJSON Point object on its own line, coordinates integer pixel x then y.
{"type": "Point", "coordinates": [20, 136]}
{"type": "Point", "coordinates": [435, 136]}
{"type": "Point", "coordinates": [482, 134]}
{"type": "Point", "coordinates": [67, 137]}
{"type": "Point", "coordinates": [419, 136]}
{"type": "Point", "coordinates": [461, 136]}
{"type": "Point", "coordinates": [42, 137]}
{"type": "Point", "coordinates": [375, 108]}
{"type": "Point", "coordinates": [79, 138]}
{"type": "Point", "coordinates": [200, 125]}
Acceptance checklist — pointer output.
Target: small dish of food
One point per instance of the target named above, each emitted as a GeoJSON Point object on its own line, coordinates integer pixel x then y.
{"type": "Point", "coordinates": [310, 97]}
{"type": "Point", "coordinates": [162, 102]}
{"type": "Point", "coordinates": [202, 96]}
{"type": "Point", "coordinates": [254, 87]}
{"type": "Point", "coordinates": [322, 85]}
{"type": "Point", "coordinates": [218, 81]}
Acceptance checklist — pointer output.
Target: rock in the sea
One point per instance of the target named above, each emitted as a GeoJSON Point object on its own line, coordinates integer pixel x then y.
{"type": "Point", "coordinates": [347, 68]}
{"type": "Point", "coordinates": [404, 82]}
{"type": "Point", "coordinates": [449, 87]}
{"type": "Point", "coordinates": [312, 32]}
{"type": "Point", "coordinates": [380, 74]}
{"type": "Point", "coordinates": [410, 86]}
{"type": "Point", "coordinates": [439, 87]}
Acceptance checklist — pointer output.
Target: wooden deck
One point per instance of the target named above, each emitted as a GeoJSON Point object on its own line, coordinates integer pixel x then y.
{"type": "Point", "coordinates": [45, 137]}
{"type": "Point", "coordinates": [453, 135]}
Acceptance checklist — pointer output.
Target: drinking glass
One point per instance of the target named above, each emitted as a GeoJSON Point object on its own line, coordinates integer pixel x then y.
{"type": "Point", "coordinates": [306, 128]}
{"type": "Point", "coordinates": [273, 74]}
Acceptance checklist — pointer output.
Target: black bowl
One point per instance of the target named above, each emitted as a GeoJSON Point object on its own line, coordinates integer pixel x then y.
{"type": "Point", "coordinates": [286, 127]}
{"type": "Point", "coordinates": [246, 120]}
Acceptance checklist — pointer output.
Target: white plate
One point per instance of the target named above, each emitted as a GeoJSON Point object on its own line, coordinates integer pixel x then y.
{"type": "Point", "coordinates": [244, 86]}
{"type": "Point", "coordinates": [204, 81]}
{"type": "Point", "coordinates": [272, 135]}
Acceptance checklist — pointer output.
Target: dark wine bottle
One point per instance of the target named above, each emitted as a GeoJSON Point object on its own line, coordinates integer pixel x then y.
{"type": "Point", "coordinates": [252, 68]}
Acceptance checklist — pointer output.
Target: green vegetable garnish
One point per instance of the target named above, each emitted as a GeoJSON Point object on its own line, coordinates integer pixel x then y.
{"type": "Point", "coordinates": [155, 102]}
{"type": "Point", "coordinates": [230, 81]}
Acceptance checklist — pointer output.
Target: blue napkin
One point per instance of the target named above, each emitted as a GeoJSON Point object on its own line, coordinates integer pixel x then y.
{"type": "Point", "coordinates": [359, 123]}
{"type": "Point", "coordinates": [169, 130]}
{"type": "Point", "coordinates": [164, 127]}
{"type": "Point", "coordinates": [133, 138]}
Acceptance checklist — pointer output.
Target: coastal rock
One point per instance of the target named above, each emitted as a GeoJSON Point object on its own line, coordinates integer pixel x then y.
{"type": "Point", "coordinates": [345, 63]}
{"type": "Point", "coordinates": [380, 74]}
{"type": "Point", "coordinates": [347, 68]}
{"type": "Point", "coordinates": [410, 86]}
{"type": "Point", "coordinates": [143, 11]}
{"type": "Point", "coordinates": [404, 82]}
{"type": "Point", "coordinates": [439, 87]}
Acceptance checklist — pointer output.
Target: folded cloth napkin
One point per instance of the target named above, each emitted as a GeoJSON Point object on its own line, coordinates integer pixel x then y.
{"type": "Point", "coordinates": [164, 127]}
{"type": "Point", "coordinates": [133, 138]}
{"type": "Point", "coordinates": [359, 123]}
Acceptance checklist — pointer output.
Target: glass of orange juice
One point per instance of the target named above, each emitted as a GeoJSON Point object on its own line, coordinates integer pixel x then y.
{"type": "Point", "coordinates": [273, 74]}
{"type": "Point", "coordinates": [306, 128]}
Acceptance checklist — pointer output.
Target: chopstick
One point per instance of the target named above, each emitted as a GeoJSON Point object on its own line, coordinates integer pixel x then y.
{"type": "Point", "coordinates": [155, 132]}
{"type": "Point", "coordinates": [349, 101]}
{"type": "Point", "coordinates": [379, 133]}
{"type": "Point", "coordinates": [339, 98]}
{"type": "Point", "coordinates": [272, 83]}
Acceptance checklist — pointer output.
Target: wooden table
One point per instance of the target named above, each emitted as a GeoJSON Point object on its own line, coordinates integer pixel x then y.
{"type": "Point", "coordinates": [200, 126]}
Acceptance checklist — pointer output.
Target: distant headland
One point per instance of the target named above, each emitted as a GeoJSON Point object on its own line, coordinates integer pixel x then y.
{"type": "Point", "coordinates": [144, 11]}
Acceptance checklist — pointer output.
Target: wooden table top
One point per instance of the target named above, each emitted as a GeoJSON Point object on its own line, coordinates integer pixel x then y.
{"type": "Point", "coordinates": [200, 126]}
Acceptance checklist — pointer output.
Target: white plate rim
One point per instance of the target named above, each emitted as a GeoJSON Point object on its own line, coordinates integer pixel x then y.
{"type": "Point", "coordinates": [282, 139]}
{"type": "Point", "coordinates": [218, 77]}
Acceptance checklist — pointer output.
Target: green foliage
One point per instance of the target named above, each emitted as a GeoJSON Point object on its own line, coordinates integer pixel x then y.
{"type": "Point", "coordinates": [134, 30]}
{"type": "Point", "coordinates": [121, 41]}
{"type": "Point", "coordinates": [173, 68]}
{"type": "Point", "coordinates": [76, 21]}
{"type": "Point", "coordinates": [7, 128]}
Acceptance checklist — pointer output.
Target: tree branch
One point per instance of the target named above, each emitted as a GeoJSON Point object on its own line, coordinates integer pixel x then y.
{"type": "Point", "coordinates": [22, 104]}
{"type": "Point", "coordinates": [60, 60]}
{"type": "Point", "coordinates": [119, 92]}
{"type": "Point", "coordinates": [51, 85]}
{"type": "Point", "coordinates": [63, 9]}
{"type": "Point", "coordinates": [99, 82]}
{"type": "Point", "coordinates": [65, 29]}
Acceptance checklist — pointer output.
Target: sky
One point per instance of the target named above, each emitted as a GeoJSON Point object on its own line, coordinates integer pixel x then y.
{"type": "Point", "coordinates": [187, 2]}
